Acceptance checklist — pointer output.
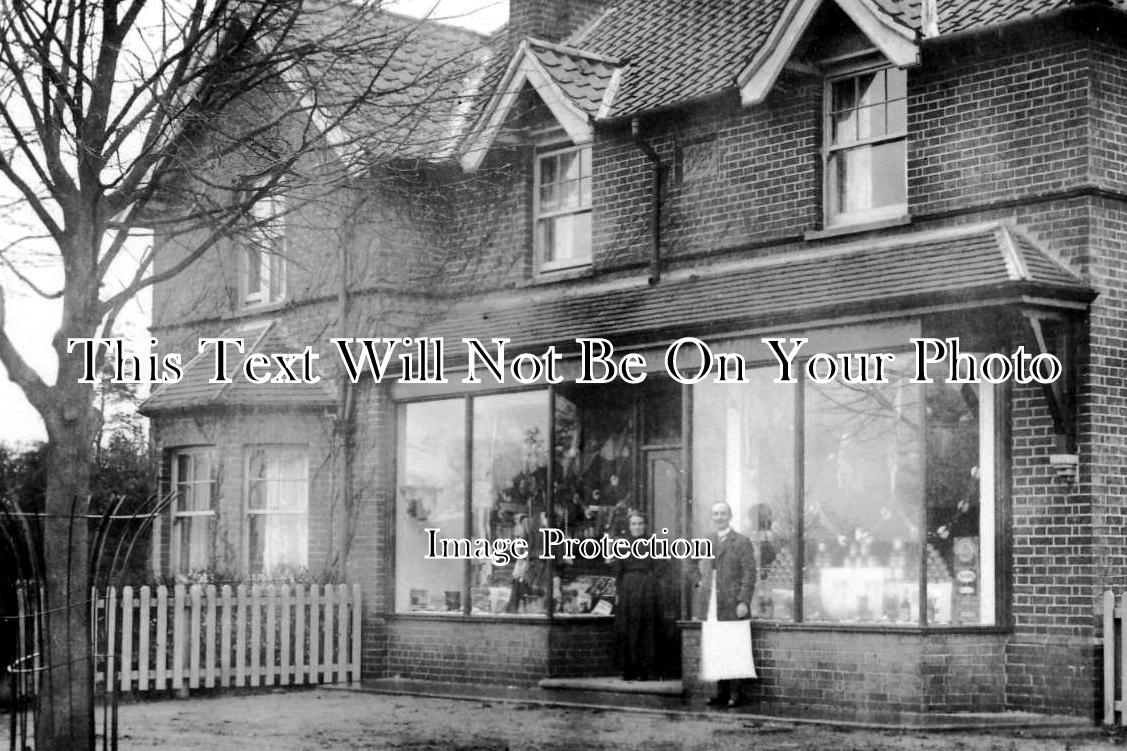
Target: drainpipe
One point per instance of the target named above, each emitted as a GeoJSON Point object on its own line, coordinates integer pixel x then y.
{"type": "Point", "coordinates": [655, 200]}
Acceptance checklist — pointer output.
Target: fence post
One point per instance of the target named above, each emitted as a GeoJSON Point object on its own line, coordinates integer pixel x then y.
{"type": "Point", "coordinates": [327, 637]}
{"type": "Point", "coordinates": [342, 633]}
{"type": "Point", "coordinates": [194, 636]}
{"type": "Point", "coordinates": [314, 632]}
{"type": "Point", "coordinates": [162, 638]}
{"type": "Point", "coordinates": [111, 627]}
{"type": "Point", "coordinates": [356, 642]}
{"type": "Point", "coordinates": [212, 603]}
{"type": "Point", "coordinates": [241, 636]}
{"type": "Point", "coordinates": [144, 625]}
{"type": "Point", "coordinates": [225, 638]}
{"type": "Point", "coordinates": [284, 678]}
{"type": "Point", "coordinates": [178, 617]}
{"type": "Point", "coordinates": [299, 653]}
{"type": "Point", "coordinates": [255, 635]}
{"type": "Point", "coordinates": [126, 638]}
{"type": "Point", "coordinates": [270, 625]}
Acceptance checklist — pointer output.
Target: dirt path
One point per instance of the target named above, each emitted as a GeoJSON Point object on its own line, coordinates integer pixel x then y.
{"type": "Point", "coordinates": [330, 719]}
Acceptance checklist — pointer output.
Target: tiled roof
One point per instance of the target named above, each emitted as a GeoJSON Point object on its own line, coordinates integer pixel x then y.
{"type": "Point", "coordinates": [979, 264]}
{"type": "Point", "coordinates": [680, 50]}
{"type": "Point", "coordinates": [193, 390]}
{"type": "Point", "coordinates": [397, 84]}
{"type": "Point", "coordinates": [583, 78]}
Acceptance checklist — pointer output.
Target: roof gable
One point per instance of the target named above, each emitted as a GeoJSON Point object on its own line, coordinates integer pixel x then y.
{"type": "Point", "coordinates": [576, 86]}
{"type": "Point", "coordinates": [893, 38]}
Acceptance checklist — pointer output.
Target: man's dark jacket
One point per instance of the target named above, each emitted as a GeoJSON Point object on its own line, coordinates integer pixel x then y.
{"type": "Point", "coordinates": [734, 563]}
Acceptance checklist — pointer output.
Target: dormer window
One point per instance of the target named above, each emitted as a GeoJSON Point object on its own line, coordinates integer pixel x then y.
{"type": "Point", "coordinates": [262, 272]}
{"type": "Point", "coordinates": [866, 146]}
{"type": "Point", "coordinates": [563, 207]}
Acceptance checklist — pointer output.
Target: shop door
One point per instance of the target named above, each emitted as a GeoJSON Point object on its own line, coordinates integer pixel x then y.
{"type": "Point", "coordinates": [663, 493]}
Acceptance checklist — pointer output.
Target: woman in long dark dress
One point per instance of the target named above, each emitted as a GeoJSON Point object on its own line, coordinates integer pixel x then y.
{"type": "Point", "coordinates": [638, 615]}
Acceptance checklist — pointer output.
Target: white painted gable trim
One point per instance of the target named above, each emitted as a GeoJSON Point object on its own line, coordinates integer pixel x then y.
{"type": "Point", "coordinates": [525, 68]}
{"type": "Point", "coordinates": [895, 41]}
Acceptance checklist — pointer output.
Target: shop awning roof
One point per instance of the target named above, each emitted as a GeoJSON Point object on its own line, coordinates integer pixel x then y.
{"type": "Point", "coordinates": [194, 391]}
{"type": "Point", "coordinates": [964, 267]}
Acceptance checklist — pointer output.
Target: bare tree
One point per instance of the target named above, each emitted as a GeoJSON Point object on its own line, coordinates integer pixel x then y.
{"type": "Point", "coordinates": [175, 118]}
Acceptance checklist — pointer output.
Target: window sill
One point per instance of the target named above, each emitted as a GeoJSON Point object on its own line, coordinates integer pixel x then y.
{"type": "Point", "coordinates": [258, 309]}
{"type": "Point", "coordinates": [566, 274]}
{"type": "Point", "coordinates": [535, 618]}
{"type": "Point", "coordinates": [866, 628]}
{"type": "Point", "coordinates": [856, 228]}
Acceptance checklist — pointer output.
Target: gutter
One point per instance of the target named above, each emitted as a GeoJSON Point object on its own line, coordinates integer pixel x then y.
{"type": "Point", "coordinates": [655, 199]}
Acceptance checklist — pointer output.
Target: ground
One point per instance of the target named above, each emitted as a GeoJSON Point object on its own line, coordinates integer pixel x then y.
{"type": "Point", "coordinates": [338, 719]}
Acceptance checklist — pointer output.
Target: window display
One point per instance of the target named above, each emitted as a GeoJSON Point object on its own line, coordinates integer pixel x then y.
{"type": "Point", "coordinates": [593, 488]}
{"type": "Point", "coordinates": [431, 494]}
{"type": "Point", "coordinates": [593, 443]}
{"type": "Point", "coordinates": [864, 469]}
{"type": "Point", "coordinates": [510, 461]}
{"type": "Point", "coordinates": [744, 454]}
{"type": "Point", "coordinates": [897, 479]}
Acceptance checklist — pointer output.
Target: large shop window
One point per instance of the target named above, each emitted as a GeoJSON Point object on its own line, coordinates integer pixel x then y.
{"type": "Point", "coordinates": [591, 438]}
{"type": "Point", "coordinates": [895, 520]}
{"type": "Point", "coordinates": [563, 208]}
{"type": "Point", "coordinates": [195, 481]}
{"type": "Point", "coordinates": [866, 146]}
{"type": "Point", "coordinates": [277, 510]}
{"type": "Point", "coordinates": [431, 495]}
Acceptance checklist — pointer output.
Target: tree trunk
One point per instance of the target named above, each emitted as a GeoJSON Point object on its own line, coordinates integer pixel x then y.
{"type": "Point", "coordinates": [66, 705]}
{"type": "Point", "coordinates": [65, 716]}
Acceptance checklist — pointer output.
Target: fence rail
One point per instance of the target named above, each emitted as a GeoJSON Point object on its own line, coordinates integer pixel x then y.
{"type": "Point", "coordinates": [207, 637]}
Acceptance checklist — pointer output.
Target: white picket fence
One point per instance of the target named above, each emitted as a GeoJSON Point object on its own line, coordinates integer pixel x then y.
{"type": "Point", "coordinates": [209, 637]}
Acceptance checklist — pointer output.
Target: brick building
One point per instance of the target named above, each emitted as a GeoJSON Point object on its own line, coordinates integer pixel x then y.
{"type": "Point", "coordinates": [850, 172]}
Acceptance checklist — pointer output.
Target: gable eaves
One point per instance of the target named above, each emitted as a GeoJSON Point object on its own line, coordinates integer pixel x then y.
{"type": "Point", "coordinates": [523, 69]}
{"type": "Point", "coordinates": [895, 41]}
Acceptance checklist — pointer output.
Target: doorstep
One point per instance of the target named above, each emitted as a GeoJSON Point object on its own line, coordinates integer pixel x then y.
{"type": "Point", "coordinates": [659, 688]}
{"type": "Point", "coordinates": [681, 705]}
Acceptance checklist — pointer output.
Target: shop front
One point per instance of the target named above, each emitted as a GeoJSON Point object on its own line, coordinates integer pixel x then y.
{"type": "Point", "coordinates": [871, 507]}
{"type": "Point", "coordinates": [879, 508]}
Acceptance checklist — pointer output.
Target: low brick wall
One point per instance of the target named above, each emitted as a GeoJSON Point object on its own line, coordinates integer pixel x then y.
{"type": "Point", "coordinates": [506, 651]}
{"type": "Point", "coordinates": [875, 676]}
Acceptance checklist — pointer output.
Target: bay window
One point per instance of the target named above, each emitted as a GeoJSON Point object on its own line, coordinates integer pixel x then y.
{"type": "Point", "coordinates": [277, 510]}
{"type": "Point", "coordinates": [195, 483]}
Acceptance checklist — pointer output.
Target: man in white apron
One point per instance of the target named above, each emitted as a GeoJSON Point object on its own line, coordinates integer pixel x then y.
{"type": "Point", "coordinates": [733, 564]}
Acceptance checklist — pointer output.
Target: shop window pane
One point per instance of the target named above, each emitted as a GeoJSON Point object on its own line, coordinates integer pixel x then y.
{"type": "Point", "coordinates": [595, 466]}
{"type": "Point", "coordinates": [430, 494]}
{"type": "Point", "coordinates": [509, 495]}
{"type": "Point", "coordinates": [743, 453]}
{"type": "Point", "coordinates": [864, 495]}
{"type": "Point", "coordinates": [960, 530]}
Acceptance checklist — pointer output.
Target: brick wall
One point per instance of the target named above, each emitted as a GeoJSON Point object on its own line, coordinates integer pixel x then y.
{"type": "Point", "coordinates": [492, 650]}
{"type": "Point", "coordinates": [468, 651]}
{"type": "Point", "coordinates": [876, 676]}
